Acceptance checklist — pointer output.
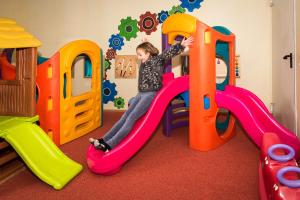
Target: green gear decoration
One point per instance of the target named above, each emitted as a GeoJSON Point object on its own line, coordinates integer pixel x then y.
{"type": "Point", "coordinates": [119, 102]}
{"type": "Point", "coordinates": [128, 28]}
{"type": "Point", "coordinates": [107, 65]}
{"type": "Point", "coordinates": [176, 9]}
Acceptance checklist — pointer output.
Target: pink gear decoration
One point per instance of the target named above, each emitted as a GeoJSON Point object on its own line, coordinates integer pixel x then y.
{"type": "Point", "coordinates": [148, 22]}
{"type": "Point", "coordinates": [110, 54]}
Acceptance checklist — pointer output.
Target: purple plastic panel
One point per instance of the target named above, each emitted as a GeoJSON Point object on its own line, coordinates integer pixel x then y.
{"type": "Point", "coordinates": [167, 121]}
{"type": "Point", "coordinates": [166, 45]}
{"type": "Point", "coordinates": [169, 115]}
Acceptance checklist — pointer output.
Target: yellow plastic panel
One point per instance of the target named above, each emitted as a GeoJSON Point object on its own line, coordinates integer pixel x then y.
{"type": "Point", "coordinates": [50, 104]}
{"type": "Point", "coordinates": [50, 72]}
{"type": "Point", "coordinates": [78, 119]}
{"type": "Point", "coordinates": [179, 24]}
{"type": "Point", "coordinates": [207, 37]}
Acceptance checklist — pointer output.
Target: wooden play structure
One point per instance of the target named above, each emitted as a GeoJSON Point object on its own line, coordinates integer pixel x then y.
{"type": "Point", "coordinates": [17, 94]}
{"type": "Point", "coordinates": [19, 133]}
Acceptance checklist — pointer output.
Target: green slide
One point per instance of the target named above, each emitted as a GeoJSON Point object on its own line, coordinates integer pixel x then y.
{"type": "Point", "coordinates": [38, 151]}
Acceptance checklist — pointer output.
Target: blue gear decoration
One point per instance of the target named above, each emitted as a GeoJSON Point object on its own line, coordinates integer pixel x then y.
{"type": "Point", "coordinates": [116, 42]}
{"type": "Point", "coordinates": [108, 91]}
{"type": "Point", "coordinates": [190, 5]}
{"type": "Point", "coordinates": [162, 16]}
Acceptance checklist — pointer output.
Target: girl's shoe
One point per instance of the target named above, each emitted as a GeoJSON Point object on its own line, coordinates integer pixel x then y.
{"type": "Point", "coordinates": [100, 144]}
{"type": "Point", "coordinates": [92, 140]}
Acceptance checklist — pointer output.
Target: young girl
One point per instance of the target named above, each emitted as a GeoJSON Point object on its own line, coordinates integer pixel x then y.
{"type": "Point", "coordinates": [149, 82]}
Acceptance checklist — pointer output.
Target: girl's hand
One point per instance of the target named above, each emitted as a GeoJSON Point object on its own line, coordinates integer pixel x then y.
{"type": "Point", "coordinates": [187, 42]}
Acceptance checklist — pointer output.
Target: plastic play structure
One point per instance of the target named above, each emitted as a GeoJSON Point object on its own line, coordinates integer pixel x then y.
{"type": "Point", "coordinates": [65, 117]}
{"type": "Point", "coordinates": [205, 100]}
{"type": "Point", "coordinates": [176, 113]}
{"type": "Point", "coordinates": [276, 180]}
{"type": "Point", "coordinates": [18, 110]}
{"type": "Point", "coordinates": [62, 116]}
{"type": "Point", "coordinates": [37, 150]}
{"type": "Point", "coordinates": [109, 163]}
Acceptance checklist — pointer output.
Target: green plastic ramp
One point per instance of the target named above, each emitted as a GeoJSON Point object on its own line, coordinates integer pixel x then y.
{"type": "Point", "coordinates": [38, 151]}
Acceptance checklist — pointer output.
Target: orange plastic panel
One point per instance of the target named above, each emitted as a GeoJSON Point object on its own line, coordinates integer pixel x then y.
{"type": "Point", "coordinates": [48, 103]}
{"type": "Point", "coordinates": [203, 133]}
{"type": "Point", "coordinates": [202, 119]}
{"type": "Point", "coordinates": [8, 71]}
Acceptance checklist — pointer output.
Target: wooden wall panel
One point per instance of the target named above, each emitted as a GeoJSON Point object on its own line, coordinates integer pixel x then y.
{"type": "Point", "coordinates": [17, 97]}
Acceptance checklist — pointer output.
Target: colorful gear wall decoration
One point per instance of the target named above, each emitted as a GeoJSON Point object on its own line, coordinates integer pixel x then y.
{"type": "Point", "coordinates": [162, 16]}
{"type": "Point", "coordinates": [190, 5]}
{"type": "Point", "coordinates": [176, 9]}
{"type": "Point", "coordinates": [116, 42]}
{"type": "Point", "coordinates": [119, 102]}
{"type": "Point", "coordinates": [109, 91]}
{"type": "Point", "coordinates": [148, 22]}
{"type": "Point", "coordinates": [110, 54]}
{"type": "Point", "coordinates": [128, 28]}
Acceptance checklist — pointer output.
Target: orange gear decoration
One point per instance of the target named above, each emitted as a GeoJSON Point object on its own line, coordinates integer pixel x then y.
{"type": "Point", "coordinates": [148, 22]}
{"type": "Point", "coordinates": [110, 54]}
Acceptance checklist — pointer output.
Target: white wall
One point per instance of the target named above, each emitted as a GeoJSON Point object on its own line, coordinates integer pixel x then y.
{"type": "Point", "coordinates": [297, 19]}
{"type": "Point", "coordinates": [57, 22]}
{"type": "Point", "coordinates": [251, 22]}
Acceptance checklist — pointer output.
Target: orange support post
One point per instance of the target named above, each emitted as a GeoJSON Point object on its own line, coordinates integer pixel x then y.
{"type": "Point", "coordinates": [48, 99]}
{"type": "Point", "coordinates": [203, 133]}
{"type": "Point", "coordinates": [203, 108]}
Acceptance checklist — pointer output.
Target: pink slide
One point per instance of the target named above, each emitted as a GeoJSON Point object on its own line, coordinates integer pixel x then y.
{"type": "Point", "coordinates": [254, 116]}
{"type": "Point", "coordinates": [111, 162]}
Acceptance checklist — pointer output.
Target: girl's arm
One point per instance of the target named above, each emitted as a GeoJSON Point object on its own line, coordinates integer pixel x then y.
{"type": "Point", "coordinates": [176, 49]}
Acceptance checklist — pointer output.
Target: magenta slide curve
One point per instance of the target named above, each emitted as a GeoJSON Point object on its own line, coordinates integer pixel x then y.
{"type": "Point", "coordinates": [111, 162]}
{"type": "Point", "coordinates": [254, 116]}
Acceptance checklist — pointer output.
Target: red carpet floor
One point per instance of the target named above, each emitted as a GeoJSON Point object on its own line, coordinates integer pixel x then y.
{"type": "Point", "coordinates": [166, 168]}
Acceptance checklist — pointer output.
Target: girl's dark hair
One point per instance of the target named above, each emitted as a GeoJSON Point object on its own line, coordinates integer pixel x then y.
{"type": "Point", "coordinates": [148, 48]}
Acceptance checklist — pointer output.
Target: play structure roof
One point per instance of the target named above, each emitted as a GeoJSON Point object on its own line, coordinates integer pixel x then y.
{"type": "Point", "coordinates": [13, 35]}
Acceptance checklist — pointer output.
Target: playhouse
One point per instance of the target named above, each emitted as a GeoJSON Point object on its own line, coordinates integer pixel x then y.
{"type": "Point", "coordinates": [20, 91]}
{"type": "Point", "coordinates": [18, 110]}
